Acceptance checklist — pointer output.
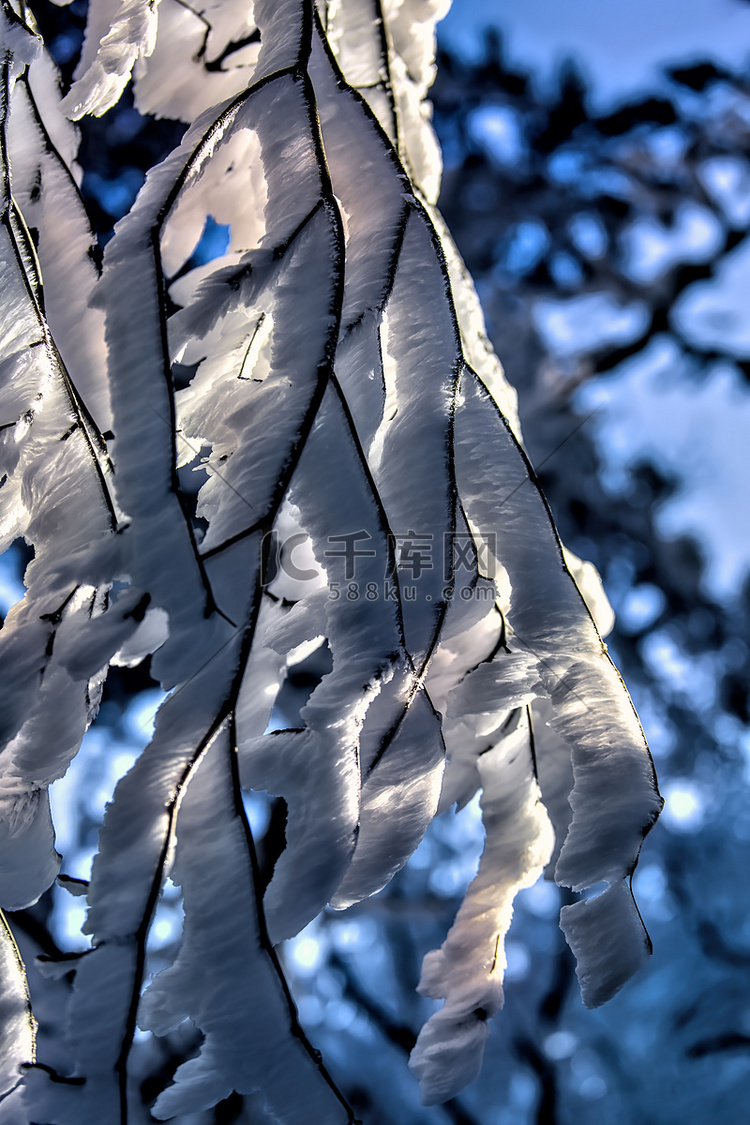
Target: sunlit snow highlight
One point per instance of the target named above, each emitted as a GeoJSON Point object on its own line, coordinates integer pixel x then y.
{"type": "Point", "coordinates": [684, 808]}
{"type": "Point", "coordinates": [497, 129]}
{"type": "Point", "coordinates": [166, 928]}
{"type": "Point", "coordinates": [305, 952]}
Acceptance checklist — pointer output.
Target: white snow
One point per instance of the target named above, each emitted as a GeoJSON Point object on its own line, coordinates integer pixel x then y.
{"type": "Point", "coordinates": [726, 180]}
{"type": "Point", "coordinates": [713, 314]}
{"type": "Point", "coordinates": [497, 129]}
{"type": "Point", "coordinates": [640, 607]}
{"type": "Point", "coordinates": [684, 808]}
{"type": "Point", "coordinates": [650, 248]}
{"type": "Point", "coordinates": [573, 325]}
{"type": "Point", "coordinates": [654, 409]}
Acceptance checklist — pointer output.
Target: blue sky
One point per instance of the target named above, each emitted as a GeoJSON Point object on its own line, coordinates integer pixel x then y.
{"type": "Point", "coordinates": [621, 46]}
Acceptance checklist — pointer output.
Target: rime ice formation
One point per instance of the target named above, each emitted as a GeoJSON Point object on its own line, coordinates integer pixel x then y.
{"type": "Point", "coordinates": [331, 379]}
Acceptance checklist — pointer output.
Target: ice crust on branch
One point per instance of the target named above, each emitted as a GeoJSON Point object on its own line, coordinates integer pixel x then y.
{"type": "Point", "coordinates": [118, 32]}
{"type": "Point", "coordinates": [56, 474]}
{"type": "Point", "coordinates": [17, 1025]}
{"type": "Point", "coordinates": [331, 378]}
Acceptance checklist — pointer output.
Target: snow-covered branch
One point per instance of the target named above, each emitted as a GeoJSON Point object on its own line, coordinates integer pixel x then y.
{"type": "Point", "coordinates": [329, 379]}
